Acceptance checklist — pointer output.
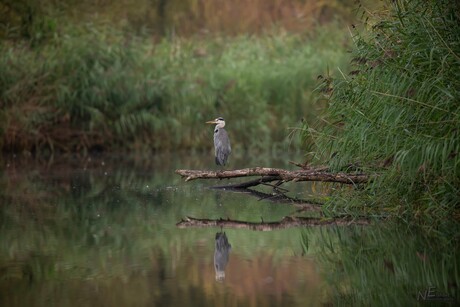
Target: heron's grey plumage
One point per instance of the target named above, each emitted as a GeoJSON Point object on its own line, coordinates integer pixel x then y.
{"type": "Point", "coordinates": [221, 145]}
{"type": "Point", "coordinates": [221, 141]}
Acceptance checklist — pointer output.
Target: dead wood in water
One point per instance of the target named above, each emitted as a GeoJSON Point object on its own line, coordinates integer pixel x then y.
{"type": "Point", "coordinates": [248, 184]}
{"type": "Point", "coordinates": [286, 222]}
{"type": "Point", "coordinates": [278, 197]}
{"type": "Point", "coordinates": [275, 174]}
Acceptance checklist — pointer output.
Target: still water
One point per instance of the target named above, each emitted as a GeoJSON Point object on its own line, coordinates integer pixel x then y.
{"type": "Point", "coordinates": [101, 231]}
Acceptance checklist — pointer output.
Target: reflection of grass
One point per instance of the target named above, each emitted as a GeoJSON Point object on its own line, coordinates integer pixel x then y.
{"type": "Point", "coordinates": [60, 224]}
{"type": "Point", "coordinates": [68, 231]}
{"type": "Point", "coordinates": [387, 265]}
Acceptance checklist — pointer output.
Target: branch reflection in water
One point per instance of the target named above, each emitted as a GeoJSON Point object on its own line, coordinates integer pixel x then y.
{"type": "Point", "coordinates": [221, 255]}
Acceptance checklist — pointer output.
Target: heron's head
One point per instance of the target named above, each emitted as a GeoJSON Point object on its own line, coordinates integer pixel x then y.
{"type": "Point", "coordinates": [220, 122]}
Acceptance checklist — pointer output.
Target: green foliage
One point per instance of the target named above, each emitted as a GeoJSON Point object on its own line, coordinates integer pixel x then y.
{"type": "Point", "coordinates": [95, 88]}
{"type": "Point", "coordinates": [26, 19]}
{"type": "Point", "coordinates": [398, 113]}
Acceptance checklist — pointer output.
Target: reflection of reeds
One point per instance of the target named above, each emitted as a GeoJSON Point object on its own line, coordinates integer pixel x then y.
{"type": "Point", "coordinates": [84, 218]}
{"type": "Point", "coordinates": [386, 265]}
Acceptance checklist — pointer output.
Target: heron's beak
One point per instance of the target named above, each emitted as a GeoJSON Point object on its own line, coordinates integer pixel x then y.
{"type": "Point", "coordinates": [211, 122]}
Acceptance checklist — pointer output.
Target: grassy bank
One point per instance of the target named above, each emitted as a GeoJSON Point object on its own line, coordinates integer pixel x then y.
{"type": "Point", "coordinates": [101, 89]}
{"type": "Point", "coordinates": [397, 114]}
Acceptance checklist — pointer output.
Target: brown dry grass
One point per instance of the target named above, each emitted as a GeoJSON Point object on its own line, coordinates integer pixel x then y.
{"type": "Point", "coordinates": [216, 16]}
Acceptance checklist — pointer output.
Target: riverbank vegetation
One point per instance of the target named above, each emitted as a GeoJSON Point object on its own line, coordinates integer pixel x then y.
{"type": "Point", "coordinates": [109, 84]}
{"type": "Point", "coordinates": [397, 114]}
{"type": "Point", "coordinates": [126, 81]}
{"type": "Point", "coordinates": [99, 90]}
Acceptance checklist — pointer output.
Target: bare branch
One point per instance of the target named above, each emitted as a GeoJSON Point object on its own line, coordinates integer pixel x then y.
{"type": "Point", "coordinates": [276, 174]}
{"type": "Point", "coordinates": [286, 222]}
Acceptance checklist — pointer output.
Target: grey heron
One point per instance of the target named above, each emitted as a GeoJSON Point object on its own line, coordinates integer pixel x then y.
{"type": "Point", "coordinates": [221, 141]}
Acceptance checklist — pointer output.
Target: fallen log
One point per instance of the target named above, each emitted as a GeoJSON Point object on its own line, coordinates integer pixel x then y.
{"type": "Point", "coordinates": [286, 222]}
{"type": "Point", "coordinates": [276, 174]}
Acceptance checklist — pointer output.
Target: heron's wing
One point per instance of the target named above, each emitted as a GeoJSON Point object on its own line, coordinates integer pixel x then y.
{"type": "Point", "coordinates": [222, 146]}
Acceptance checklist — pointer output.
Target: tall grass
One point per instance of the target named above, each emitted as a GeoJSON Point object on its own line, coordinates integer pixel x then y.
{"type": "Point", "coordinates": [398, 113]}
{"type": "Point", "coordinates": [95, 88]}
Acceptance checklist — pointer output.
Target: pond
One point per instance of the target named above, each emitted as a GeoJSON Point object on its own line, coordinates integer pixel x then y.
{"type": "Point", "coordinates": [101, 231]}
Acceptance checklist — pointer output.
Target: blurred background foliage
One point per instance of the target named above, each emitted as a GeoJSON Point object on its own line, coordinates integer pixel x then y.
{"type": "Point", "coordinates": [40, 19]}
{"type": "Point", "coordinates": [143, 75]}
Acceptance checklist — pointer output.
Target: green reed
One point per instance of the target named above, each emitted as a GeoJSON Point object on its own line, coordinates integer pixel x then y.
{"type": "Point", "coordinates": [396, 114]}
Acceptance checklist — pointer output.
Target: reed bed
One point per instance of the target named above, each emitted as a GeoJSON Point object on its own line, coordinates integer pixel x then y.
{"type": "Point", "coordinates": [397, 113]}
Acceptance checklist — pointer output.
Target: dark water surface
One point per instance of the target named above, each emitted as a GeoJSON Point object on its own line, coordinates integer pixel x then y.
{"type": "Point", "coordinates": [102, 232]}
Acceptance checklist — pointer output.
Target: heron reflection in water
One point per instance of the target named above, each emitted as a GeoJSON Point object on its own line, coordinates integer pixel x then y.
{"type": "Point", "coordinates": [221, 254]}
